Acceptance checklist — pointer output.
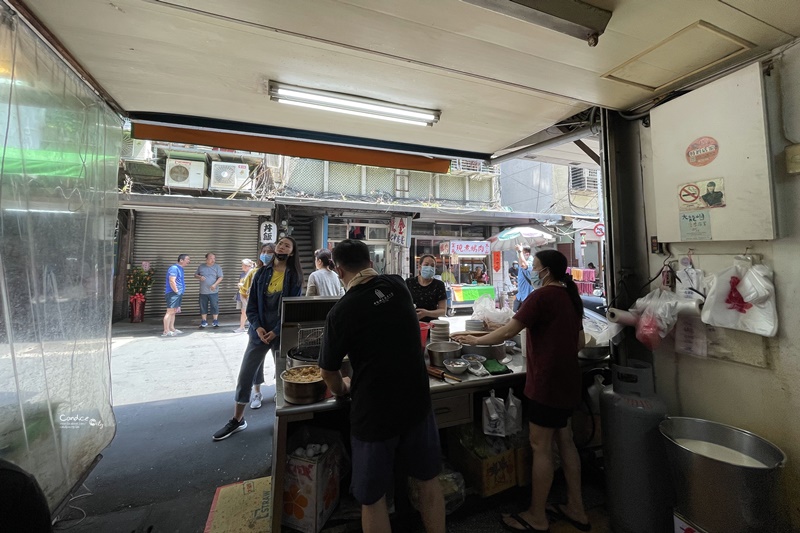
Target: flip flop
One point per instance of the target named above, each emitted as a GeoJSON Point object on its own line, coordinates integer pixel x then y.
{"type": "Point", "coordinates": [558, 513]}
{"type": "Point", "coordinates": [521, 521]}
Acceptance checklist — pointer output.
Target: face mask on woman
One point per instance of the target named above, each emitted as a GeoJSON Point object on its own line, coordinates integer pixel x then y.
{"type": "Point", "coordinates": [281, 257]}
{"type": "Point", "coordinates": [536, 280]}
{"type": "Point", "coordinates": [265, 258]}
{"type": "Point", "coordinates": [427, 272]}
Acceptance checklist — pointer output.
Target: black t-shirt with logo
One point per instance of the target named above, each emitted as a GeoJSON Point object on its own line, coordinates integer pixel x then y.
{"type": "Point", "coordinates": [427, 297]}
{"type": "Point", "coordinates": [375, 324]}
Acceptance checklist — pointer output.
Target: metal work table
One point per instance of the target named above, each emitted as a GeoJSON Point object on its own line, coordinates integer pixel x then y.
{"type": "Point", "coordinates": [452, 404]}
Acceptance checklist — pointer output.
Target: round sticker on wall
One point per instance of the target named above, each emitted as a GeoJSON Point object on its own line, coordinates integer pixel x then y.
{"type": "Point", "coordinates": [702, 151]}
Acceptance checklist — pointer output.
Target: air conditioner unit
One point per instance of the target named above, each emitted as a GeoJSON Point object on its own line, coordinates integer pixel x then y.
{"type": "Point", "coordinates": [229, 176]}
{"type": "Point", "coordinates": [274, 160]}
{"type": "Point", "coordinates": [136, 149]}
{"type": "Point", "coordinates": [182, 174]}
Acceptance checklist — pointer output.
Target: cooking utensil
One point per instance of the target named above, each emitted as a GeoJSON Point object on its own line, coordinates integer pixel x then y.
{"type": "Point", "coordinates": [489, 351]}
{"type": "Point", "coordinates": [441, 374]}
{"type": "Point", "coordinates": [439, 351]}
{"type": "Point", "coordinates": [303, 393]}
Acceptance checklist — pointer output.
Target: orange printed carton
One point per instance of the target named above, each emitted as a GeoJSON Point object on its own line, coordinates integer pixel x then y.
{"type": "Point", "coordinates": [311, 491]}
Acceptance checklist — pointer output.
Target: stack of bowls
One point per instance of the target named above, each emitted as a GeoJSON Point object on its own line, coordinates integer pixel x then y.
{"type": "Point", "coordinates": [474, 325]}
{"type": "Point", "coordinates": [440, 331]}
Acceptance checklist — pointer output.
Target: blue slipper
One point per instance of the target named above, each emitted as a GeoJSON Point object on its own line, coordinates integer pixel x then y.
{"type": "Point", "coordinates": [521, 521]}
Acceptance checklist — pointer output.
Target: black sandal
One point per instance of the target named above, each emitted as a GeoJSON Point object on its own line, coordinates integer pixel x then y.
{"type": "Point", "coordinates": [558, 513]}
{"type": "Point", "coordinates": [521, 521]}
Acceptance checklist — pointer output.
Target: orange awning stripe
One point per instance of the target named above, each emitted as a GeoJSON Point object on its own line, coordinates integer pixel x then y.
{"type": "Point", "coordinates": [311, 150]}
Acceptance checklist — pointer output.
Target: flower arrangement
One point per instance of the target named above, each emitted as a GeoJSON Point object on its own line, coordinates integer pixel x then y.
{"type": "Point", "coordinates": [140, 279]}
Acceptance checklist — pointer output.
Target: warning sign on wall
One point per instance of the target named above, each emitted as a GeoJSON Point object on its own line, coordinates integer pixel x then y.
{"type": "Point", "coordinates": [701, 195]}
{"type": "Point", "coordinates": [702, 151]}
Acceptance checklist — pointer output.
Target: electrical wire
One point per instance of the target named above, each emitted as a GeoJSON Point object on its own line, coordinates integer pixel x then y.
{"type": "Point", "coordinates": [58, 519]}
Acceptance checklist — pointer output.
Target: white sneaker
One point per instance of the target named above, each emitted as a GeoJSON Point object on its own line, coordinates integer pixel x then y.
{"type": "Point", "coordinates": [239, 330]}
{"type": "Point", "coordinates": [177, 332]}
{"type": "Point", "coordinates": [256, 403]}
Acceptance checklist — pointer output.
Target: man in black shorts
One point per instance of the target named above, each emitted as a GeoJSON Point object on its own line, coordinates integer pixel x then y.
{"type": "Point", "coordinates": [390, 416]}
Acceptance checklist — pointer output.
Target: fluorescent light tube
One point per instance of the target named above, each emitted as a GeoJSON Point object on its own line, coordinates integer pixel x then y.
{"type": "Point", "coordinates": [352, 105]}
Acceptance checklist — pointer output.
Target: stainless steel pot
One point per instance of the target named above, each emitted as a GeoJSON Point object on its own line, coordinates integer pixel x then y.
{"type": "Point", "coordinates": [439, 351]}
{"type": "Point", "coordinates": [489, 351]}
{"type": "Point", "coordinates": [303, 393]}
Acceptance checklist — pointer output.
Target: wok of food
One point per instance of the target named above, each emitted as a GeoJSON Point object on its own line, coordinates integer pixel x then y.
{"type": "Point", "coordinates": [303, 374]}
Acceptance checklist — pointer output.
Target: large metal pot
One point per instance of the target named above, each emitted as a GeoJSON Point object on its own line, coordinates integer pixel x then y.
{"type": "Point", "coordinates": [303, 393]}
{"type": "Point", "coordinates": [439, 351]}
{"type": "Point", "coordinates": [489, 351]}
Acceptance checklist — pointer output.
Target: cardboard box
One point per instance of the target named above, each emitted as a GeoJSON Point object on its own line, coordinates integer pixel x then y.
{"type": "Point", "coordinates": [523, 461]}
{"type": "Point", "coordinates": [311, 491]}
{"type": "Point", "coordinates": [491, 475]}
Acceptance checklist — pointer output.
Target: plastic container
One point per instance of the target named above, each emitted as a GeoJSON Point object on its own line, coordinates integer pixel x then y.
{"type": "Point", "coordinates": [725, 478]}
{"type": "Point", "coordinates": [424, 327]}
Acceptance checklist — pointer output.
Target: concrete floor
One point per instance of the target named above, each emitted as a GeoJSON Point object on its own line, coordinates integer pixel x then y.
{"type": "Point", "coordinates": [170, 395]}
{"type": "Point", "coordinates": [161, 470]}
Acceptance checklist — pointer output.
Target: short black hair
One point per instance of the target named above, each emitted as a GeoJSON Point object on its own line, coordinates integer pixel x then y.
{"type": "Point", "coordinates": [351, 255]}
{"type": "Point", "coordinates": [211, 253]}
{"type": "Point", "coordinates": [526, 248]}
{"type": "Point", "coordinates": [182, 257]}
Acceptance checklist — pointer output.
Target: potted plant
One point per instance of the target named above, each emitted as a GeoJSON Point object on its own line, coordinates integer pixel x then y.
{"type": "Point", "coordinates": [140, 278]}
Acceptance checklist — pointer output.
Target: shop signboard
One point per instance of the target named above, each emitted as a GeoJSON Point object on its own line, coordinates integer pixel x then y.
{"type": "Point", "coordinates": [399, 231]}
{"type": "Point", "coordinates": [470, 247]}
{"type": "Point", "coordinates": [444, 248]}
{"type": "Point", "coordinates": [268, 232]}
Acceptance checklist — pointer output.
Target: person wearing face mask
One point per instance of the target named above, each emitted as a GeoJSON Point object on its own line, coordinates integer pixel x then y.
{"type": "Point", "coordinates": [429, 295]}
{"type": "Point", "coordinates": [281, 276]}
{"type": "Point", "coordinates": [391, 419]}
{"type": "Point", "coordinates": [264, 257]}
{"type": "Point", "coordinates": [553, 316]}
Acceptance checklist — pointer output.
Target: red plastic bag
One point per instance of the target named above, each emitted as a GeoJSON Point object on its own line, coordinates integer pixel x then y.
{"type": "Point", "coordinates": [647, 331]}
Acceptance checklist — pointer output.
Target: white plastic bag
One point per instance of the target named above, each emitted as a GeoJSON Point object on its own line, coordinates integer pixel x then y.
{"type": "Point", "coordinates": [727, 307]}
{"type": "Point", "coordinates": [657, 313]}
{"type": "Point", "coordinates": [484, 309]}
{"type": "Point", "coordinates": [513, 414]}
{"type": "Point", "coordinates": [494, 416]}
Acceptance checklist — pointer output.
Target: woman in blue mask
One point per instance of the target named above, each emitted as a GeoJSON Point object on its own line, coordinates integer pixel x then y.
{"type": "Point", "coordinates": [429, 294]}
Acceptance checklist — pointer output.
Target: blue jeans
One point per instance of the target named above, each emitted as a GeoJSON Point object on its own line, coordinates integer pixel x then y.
{"type": "Point", "coordinates": [209, 301]}
{"type": "Point", "coordinates": [252, 370]}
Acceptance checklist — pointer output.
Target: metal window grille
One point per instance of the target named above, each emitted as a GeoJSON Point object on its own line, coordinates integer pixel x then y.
{"type": "Point", "coordinates": [380, 180]}
{"type": "Point", "coordinates": [582, 179]}
{"type": "Point", "coordinates": [419, 185]}
{"type": "Point", "coordinates": [344, 178]}
{"type": "Point", "coordinates": [452, 187]}
{"type": "Point", "coordinates": [307, 176]}
{"type": "Point", "coordinates": [480, 190]}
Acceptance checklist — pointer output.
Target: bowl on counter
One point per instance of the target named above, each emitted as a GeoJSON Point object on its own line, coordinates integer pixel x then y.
{"type": "Point", "coordinates": [473, 359]}
{"type": "Point", "coordinates": [439, 351]}
{"type": "Point", "coordinates": [456, 366]}
{"type": "Point", "coordinates": [510, 346]}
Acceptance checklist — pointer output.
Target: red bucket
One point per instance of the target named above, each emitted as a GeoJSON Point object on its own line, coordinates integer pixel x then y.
{"type": "Point", "coordinates": [423, 332]}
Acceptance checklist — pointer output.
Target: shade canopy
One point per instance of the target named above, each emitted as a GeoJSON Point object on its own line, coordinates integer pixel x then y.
{"type": "Point", "coordinates": [511, 237]}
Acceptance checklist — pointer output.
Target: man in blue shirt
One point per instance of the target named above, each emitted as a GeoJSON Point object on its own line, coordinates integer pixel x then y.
{"type": "Point", "coordinates": [524, 287]}
{"type": "Point", "coordinates": [173, 292]}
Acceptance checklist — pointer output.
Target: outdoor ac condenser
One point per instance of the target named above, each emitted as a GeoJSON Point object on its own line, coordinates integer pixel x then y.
{"type": "Point", "coordinates": [183, 174]}
{"type": "Point", "coordinates": [229, 176]}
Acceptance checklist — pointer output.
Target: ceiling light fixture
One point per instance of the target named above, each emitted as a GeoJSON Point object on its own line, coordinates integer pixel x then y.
{"type": "Point", "coordinates": [352, 105]}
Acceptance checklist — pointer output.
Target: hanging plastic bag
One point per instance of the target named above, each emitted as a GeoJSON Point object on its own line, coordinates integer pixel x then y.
{"type": "Point", "coordinates": [494, 416]}
{"type": "Point", "coordinates": [513, 414]}
{"type": "Point", "coordinates": [657, 313]}
{"type": "Point", "coordinates": [742, 297]}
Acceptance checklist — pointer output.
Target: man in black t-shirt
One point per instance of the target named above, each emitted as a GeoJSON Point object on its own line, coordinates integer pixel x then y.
{"type": "Point", "coordinates": [375, 324]}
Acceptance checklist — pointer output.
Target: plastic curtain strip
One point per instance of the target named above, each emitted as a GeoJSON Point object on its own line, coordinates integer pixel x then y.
{"type": "Point", "coordinates": [58, 210]}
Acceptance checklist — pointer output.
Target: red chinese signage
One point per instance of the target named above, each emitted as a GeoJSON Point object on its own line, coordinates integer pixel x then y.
{"type": "Point", "coordinates": [469, 247]}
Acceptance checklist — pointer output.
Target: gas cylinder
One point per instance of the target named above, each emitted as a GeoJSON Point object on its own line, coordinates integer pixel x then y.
{"type": "Point", "coordinates": [639, 491]}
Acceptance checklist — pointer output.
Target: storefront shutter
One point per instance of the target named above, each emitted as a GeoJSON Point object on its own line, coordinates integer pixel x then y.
{"type": "Point", "coordinates": [159, 238]}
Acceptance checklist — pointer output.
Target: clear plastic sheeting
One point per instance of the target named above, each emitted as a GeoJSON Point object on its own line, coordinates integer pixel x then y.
{"type": "Point", "coordinates": [58, 209]}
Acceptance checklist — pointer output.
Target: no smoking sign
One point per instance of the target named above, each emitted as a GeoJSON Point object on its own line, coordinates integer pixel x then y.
{"type": "Point", "coordinates": [689, 193]}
